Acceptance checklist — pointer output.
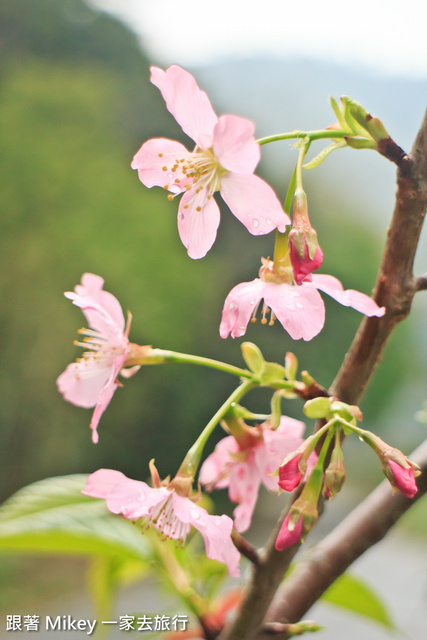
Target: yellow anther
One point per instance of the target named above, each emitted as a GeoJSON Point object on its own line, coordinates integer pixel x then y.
{"type": "Point", "coordinates": [170, 197]}
{"type": "Point", "coordinates": [160, 155]}
{"type": "Point", "coordinates": [198, 208]}
{"type": "Point", "coordinates": [164, 168]}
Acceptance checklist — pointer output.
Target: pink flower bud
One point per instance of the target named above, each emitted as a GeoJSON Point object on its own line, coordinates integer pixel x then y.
{"type": "Point", "coordinates": [303, 267]}
{"type": "Point", "coordinates": [403, 478]}
{"type": "Point", "coordinates": [289, 474]}
{"type": "Point", "coordinates": [286, 537]}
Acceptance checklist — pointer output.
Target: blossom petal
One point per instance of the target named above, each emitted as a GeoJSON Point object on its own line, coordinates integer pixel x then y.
{"type": "Point", "coordinates": [189, 105]}
{"type": "Point", "coordinates": [254, 203]}
{"type": "Point", "coordinates": [106, 394]}
{"type": "Point", "coordinates": [245, 481]}
{"type": "Point", "coordinates": [278, 443]}
{"type": "Point", "coordinates": [154, 162]}
{"type": "Point", "coordinates": [216, 531]}
{"type": "Point", "coordinates": [216, 468]}
{"type": "Point", "coordinates": [102, 310]}
{"type": "Point", "coordinates": [238, 308]}
{"type": "Point", "coordinates": [100, 483]}
{"type": "Point", "coordinates": [234, 144]}
{"type": "Point", "coordinates": [349, 298]}
{"type": "Point", "coordinates": [82, 382]}
{"type": "Point", "coordinates": [198, 221]}
{"type": "Point", "coordinates": [300, 310]}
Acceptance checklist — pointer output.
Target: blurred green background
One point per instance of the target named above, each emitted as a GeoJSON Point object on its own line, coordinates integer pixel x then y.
{"type": "Point", "coordinates": [76, 103]}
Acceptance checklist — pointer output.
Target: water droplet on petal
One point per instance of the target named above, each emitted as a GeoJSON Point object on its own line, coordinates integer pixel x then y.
{"type": "Point", "coordinates": [255, 222]}
{"type": "Point", "coordinates": [269, 221]}
{"type": "Point", "coordinates": [181, 216]}
{"type": "Point", "coordinates": [194, 512]}
{"type": "Point", "coordinates": [299, 305]}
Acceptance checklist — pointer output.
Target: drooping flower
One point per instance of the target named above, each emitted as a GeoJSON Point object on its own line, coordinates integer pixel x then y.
{"type": "Point", "coordinates": [399, 470]}
{"type": "Point", "coordinates": [403, 478]}
{"type": "Point", "coordinates": [287, 536]}
{"type": "Point", "coordinates": [224, 159]}
{"type": "Point", "coordinates": [92, 380]}
{"type": "Point", "coordinates": [170, 509]}
{"type": "Point", "coordinates": [244, 469]}
{"type": "Point", "coordinates": [305, 253]}
{"type": "Point", "coordinates": [299, 309]}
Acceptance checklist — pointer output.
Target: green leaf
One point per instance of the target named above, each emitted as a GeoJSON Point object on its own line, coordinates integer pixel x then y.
{"type": "Point", "coordinates": [272, 372]}
{"type": "Point", "coordinates": [349, 592]}
{"type": "Point", "coordinates": [317, 160]}
{"type": "Point", "coordinates": [317, 407]}
{"type": "Point", "coordinates": [53, 516]}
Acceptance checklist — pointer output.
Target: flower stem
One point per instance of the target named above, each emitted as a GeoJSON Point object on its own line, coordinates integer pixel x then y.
{"type": "Point", "coordinates": [160, 356]}
{"type": "Point", "coordinates": [192, 459]}
{"type": "Point", "coordinates": [311, 135]}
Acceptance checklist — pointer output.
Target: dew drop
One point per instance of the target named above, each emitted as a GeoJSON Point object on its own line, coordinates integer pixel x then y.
{"type": "Point", "coordinates": [181, 216]}
{"type": "Point", "coordinates": [299, 305]}
{"type": "Point", "coordinates": [255, 222]}
{"type": "Point", "coordinates": [269, 221]}
{"type": "Point", "coordinates": [195, 514]}
{"type": "Point", "coordinates": [170, 175]}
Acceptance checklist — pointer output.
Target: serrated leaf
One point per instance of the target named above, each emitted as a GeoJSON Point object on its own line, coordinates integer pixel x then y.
{"type": "Point", "coordinates": [53, 516]}
{"type": "Point", "coordinates": [351, 593]}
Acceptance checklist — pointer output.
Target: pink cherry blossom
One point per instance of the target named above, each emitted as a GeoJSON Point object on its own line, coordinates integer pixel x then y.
{"type": "Point", "coordinates": [299, 309]}
{"type": "Point", "coordinates": [286, 537]}
{"type": "Point", "coordinates": [244, 470]}
{"type": "Point", "coordinates": [403, 478]}
{"type": "Point", "coordinates": [165, 509]}
{"type": "Point", "coordinates": [224, 158]}
{"type": "Point", "coordinates": [92, 380]}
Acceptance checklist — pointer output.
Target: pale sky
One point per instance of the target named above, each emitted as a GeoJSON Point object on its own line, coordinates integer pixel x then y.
{"type": "Point", "coordinates": [387, 36]}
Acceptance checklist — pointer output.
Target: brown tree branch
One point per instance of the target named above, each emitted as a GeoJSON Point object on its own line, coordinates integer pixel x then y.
{"type": "Point", "coordinates": [394, 289]}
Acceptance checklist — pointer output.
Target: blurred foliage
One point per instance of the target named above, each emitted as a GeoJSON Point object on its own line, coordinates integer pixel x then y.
{"type": "Point", "coordinates": [77, 103]}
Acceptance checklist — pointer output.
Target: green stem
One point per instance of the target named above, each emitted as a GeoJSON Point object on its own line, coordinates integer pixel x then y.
{"type": "Point", "coordinates": [281, 245]}
{"type": "Point", "coordinates": [179, 579]}
{"type": "Point", "coordinates": [298, 169]}
{"type": "Point", "coordinates": [311, 135]}
{"type": "Point", "coordinates": [160, 356]}
{"type": "Point", "coordinates": [192, 459]}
